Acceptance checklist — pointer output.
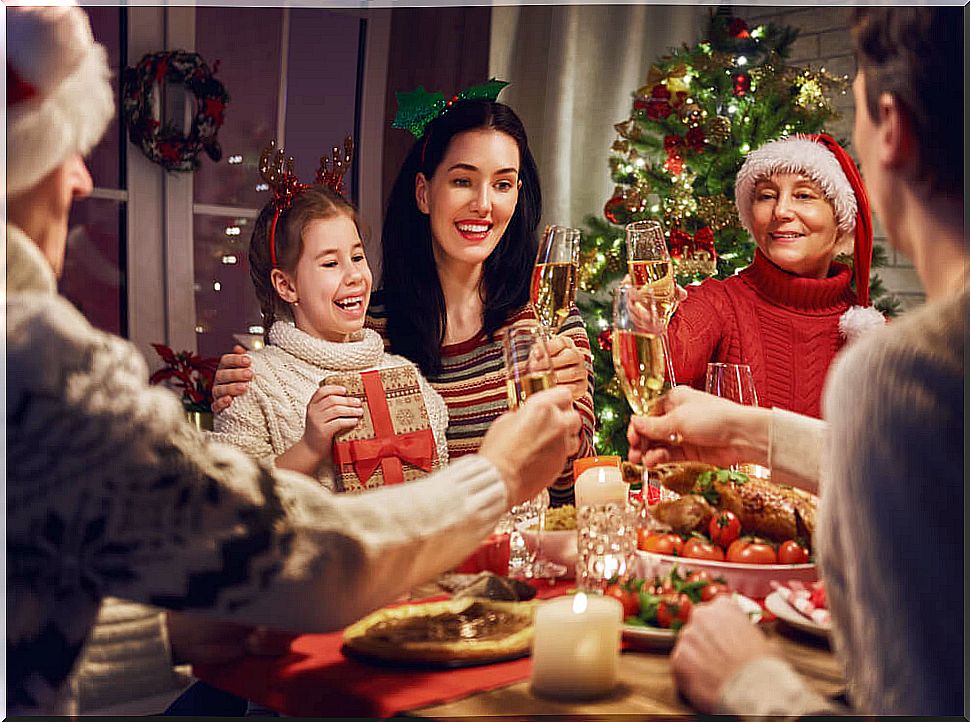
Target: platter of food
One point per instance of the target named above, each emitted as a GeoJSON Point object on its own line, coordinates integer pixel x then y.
{"type": "Point", "coordinates": [450, 633]}
{"type": "Point", "coordinates": [745, 528]}
{"type": "Point", "coordinates": [657, 607]}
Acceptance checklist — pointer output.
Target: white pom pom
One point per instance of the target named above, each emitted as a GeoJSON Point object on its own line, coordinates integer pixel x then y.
{"type": "Point", "coordinates": [859, 319]}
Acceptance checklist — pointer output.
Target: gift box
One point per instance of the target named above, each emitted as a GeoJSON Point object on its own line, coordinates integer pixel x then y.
{"type": "Point", "coordinates": [393, 442]}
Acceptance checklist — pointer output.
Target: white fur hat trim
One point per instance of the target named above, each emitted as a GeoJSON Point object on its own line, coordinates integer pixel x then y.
{"type": "Point", "coordinates": [858, 320]}
{"type": "Point", "coordinates": [796, 154]}
{"type": "Point", "coordinates": [53, 49]}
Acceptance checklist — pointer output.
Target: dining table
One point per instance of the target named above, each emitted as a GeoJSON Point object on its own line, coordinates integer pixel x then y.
{"type": "Point", "coordinates": [318, 678]}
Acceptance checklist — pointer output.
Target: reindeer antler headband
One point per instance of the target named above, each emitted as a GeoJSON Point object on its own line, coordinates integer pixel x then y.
{"type": "Point", "coordinates": [276, 168]}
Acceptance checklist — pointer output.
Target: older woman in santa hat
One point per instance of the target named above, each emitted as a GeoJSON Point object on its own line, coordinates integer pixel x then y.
{"type": "Point", "coordinates": [787, 314]}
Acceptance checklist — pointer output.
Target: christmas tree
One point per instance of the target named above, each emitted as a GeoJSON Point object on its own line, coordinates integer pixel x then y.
{"type": "Point", "coordinates": [701, 110]}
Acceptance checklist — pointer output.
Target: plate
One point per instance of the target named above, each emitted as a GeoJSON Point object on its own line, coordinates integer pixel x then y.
{"type": "Point", "coordinates": [753, 580]}
{"type": "Point", "coordinates": [435, 634]}
{"type": "Point", "coordinates": [377, 661]}
{"type": "Point", "coordinates": [658, 638]}
{"type": "Point", "coordinates": [777, 605]}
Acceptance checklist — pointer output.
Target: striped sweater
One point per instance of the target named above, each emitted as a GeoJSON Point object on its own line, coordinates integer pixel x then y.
{"type": "Point", "coordinates": [472, 383]}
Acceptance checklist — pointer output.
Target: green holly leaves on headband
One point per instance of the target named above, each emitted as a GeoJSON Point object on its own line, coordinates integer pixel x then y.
{"type": "Point", "coordinates": [417, 108]}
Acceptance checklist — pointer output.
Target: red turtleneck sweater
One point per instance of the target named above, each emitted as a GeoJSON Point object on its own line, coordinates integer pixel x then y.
{"type": "Point", "coordinates": [784, 326]}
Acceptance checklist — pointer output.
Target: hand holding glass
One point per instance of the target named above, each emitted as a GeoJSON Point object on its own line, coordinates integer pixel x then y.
{"type": "Point", "coordinates": [649, 263]}
{"type": "Point", "coordinates": [528, 365]}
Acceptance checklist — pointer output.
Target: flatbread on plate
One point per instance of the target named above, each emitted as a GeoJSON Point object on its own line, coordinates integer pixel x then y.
{"type": "Point", "coordinates": [451, 631]}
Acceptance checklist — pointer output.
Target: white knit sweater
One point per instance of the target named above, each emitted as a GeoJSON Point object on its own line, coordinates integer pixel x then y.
{"type": "Point", "coordinates": [271, 416]}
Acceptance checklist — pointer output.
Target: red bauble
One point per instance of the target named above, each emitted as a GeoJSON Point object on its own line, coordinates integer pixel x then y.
{"type": "Point", "coordinates": [615, 210]}
{"type": "Point", "coordinates": [737, 28]}
{"type": "Point", "coordinates": [641, 103]}
{"type": "Point", "coordinates": [605, 339]}
{"type": "Point", "coordinates": [695, 139]}
{"type": "Point", "coordinates": [742, 84]}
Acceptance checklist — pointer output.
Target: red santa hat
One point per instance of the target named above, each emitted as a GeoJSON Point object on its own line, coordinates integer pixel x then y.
{"type": "Point", "coordinates": [59, 96]}
{"type": "Point", "coordinates": [822, 159]}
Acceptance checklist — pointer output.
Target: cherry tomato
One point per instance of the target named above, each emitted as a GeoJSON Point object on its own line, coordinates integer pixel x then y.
{"type": "Point", "coordinates": [697, 548]}
{"type": "Point", "coordinates": [724, 528]}
{"type": "Point", "coordinates": [748, 550]}
{"type": "Point", "coordinates": [714, 589]}
{"type": "Point", "coordinates": [628, 598]}
{"type": "Point", "coordinates": [673, 609]}
{"type": "Point", "coordinates": [791, 552]}
{"type": "Point", "coordinates": [663, 544]}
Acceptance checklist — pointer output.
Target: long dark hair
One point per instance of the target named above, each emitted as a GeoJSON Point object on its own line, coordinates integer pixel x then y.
{"type": "Point", "coordinates": [315, 202]}
{"type": "Point", "coordinates": [412, 295]}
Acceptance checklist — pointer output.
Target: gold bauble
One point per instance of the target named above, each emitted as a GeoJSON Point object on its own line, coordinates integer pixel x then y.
{"type": "Point", "coordinates": [718, 130]}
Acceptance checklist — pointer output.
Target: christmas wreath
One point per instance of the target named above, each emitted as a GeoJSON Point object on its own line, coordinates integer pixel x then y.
{"type": "Point", "coordinates": [164, 143]}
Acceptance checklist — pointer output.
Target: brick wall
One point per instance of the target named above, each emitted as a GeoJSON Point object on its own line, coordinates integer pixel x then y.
{"type": "Point", "coordinates": [824, 41]}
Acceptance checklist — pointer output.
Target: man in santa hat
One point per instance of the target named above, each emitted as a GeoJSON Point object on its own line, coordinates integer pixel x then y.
{"type": "Point", "coordinates": [889, 457]}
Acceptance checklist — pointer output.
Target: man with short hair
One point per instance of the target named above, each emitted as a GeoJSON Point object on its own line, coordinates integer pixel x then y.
{"type": "Point", "coordinates": [890, 534]}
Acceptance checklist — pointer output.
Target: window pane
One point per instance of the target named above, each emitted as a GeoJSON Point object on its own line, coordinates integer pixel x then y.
{"type": "Point", "coordinates": [107, 158]}
{"type": "Point", "coordinates": [93, 278]}
{"type": "Point", "coordinates": [246, 44]}
{"type": "Point", "coordinates": [225, 301]}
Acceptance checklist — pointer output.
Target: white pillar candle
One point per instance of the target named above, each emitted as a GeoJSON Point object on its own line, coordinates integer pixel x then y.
{"type": "Point", "coordinates": [576, 646]}
{"type": "Point", "coordinates": [601, 485]}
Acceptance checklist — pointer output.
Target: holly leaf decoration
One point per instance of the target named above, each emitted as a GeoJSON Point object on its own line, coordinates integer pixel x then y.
{"type": "Point", "coordinates": [488, 90]}
{"type": "Point", "coordinates": [417, 108]}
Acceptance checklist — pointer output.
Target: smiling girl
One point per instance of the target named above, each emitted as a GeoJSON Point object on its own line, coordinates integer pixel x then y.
{"type": "Point", "coordinates": [789, 312]}
{"type": "Point", "coordinates": [314, 300]}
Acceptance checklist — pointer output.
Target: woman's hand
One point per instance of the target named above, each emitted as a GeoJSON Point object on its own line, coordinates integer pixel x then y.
{"type": "Point", "coordinates": [567, 362]}
{"type": "Point", "coordinates": [716, 643]}
{"type": "Point", "coordinates": [691, 424]}
{"type": "Point", "coordinates": [232, 378]}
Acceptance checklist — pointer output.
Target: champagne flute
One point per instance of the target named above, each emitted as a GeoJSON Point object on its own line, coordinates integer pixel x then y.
{"type": "Point", "coordinates": [648, 261]}
{"type": "Point", "coordinates": [638, 353]}
{"type": "Point", "coordinates": [735, 382]}
{"type": "Point", "coordinates": [553, 287]}
{"type": "Point", "coordinates": [528, 365]}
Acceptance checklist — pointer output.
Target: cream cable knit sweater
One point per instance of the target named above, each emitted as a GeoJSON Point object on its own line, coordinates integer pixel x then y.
{"type": "Point", "coordinates": [271, 416]}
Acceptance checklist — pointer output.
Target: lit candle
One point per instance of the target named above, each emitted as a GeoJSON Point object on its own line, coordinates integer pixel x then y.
{"type": "Point", "coordinates": [576, 646]}
{"type": "Point", "coordinates": [601, 485]}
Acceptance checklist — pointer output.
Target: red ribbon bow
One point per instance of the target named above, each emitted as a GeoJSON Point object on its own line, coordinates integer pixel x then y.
{"type": "Point", "coordinates": [683, 244]}
{"type": "Point", "coordinates": [387, 448]}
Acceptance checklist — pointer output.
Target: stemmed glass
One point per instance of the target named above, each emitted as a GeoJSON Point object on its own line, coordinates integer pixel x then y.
{"type": "Point", "coordinates": [529, 369]}
{"type": "Point", "coordinates": [648, 261]}
{"type": "Point", "coordinates": [553, 287]}
{"type": "Point", "coordinates": [638, 353]}
{"type": "Point", "coordinates": [735, 382]}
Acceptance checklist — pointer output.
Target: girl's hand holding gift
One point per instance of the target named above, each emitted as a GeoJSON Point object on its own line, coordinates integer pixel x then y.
{"type": "Point", "coordinates": [329, 412]}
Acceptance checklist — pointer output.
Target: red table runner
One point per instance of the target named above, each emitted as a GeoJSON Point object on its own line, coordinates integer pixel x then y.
{"type": "Point", "coordinates": [316, 679]}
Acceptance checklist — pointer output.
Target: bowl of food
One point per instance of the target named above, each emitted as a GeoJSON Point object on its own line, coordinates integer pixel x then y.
{"type": "Point", "coordinates": [558, 537]}
{"type": "Point", "coordinates": [741, 527]}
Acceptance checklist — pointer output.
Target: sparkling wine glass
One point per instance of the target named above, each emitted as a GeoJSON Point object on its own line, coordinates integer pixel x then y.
{"type": "Point", "coordinates": [638, 353]}
{"type": "Point", "coordinates": [553, 287]}
{"type": "Point", "coordinates": [650, 267]}
{"type": "Point", "coordinates": [735, 382]}
{"type": "Point", "coordinates": [528, 365]}
{"type": "Point", "coordinates": [543, 568]}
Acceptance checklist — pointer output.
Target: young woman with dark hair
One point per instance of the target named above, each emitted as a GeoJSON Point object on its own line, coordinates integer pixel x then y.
{"type": "Point", "coordinates": [459, 243]}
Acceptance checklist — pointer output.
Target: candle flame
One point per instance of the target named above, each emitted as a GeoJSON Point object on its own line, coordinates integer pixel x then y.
{"type": "Point", "coordinates": [580, 603]}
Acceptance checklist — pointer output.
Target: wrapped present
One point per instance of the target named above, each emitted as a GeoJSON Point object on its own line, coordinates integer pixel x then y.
{"type": "Point", "coordinates": [393, 442]}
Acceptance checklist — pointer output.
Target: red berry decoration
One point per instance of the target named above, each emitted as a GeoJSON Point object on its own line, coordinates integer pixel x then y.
{"type": "Point", "coordinates": [605, 340]}
{"type": "Point", "coordinates": [742, 84]}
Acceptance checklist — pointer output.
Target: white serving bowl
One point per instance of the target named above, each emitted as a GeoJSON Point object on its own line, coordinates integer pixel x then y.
{"type": "Point", "coordinates": [752, 580]}
{"type": "Point", "coordinates": [557, 546]}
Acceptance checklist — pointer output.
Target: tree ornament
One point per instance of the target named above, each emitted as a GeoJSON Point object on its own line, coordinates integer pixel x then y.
{"type": "Point", "coordinates": [629, 130]}
{"type": "Point", "coordinates": [615, 209]}
{"type": "Point", "coordinates": [620, 146]}
{"type": "Point", "coordinates": [695, 139]}
{"type": "Point", "coordinates": [737, 28]}
{"type": "Point", "coordinates": [742, 84]}
{"type": "Point", "coordinates": [161, 141]}
{"type": "Point", "coordinates": [719, 130]}
{"type": "Point", "coordinates": [605, 339]}
{"type": "Point", "coordinates": [694, 118]}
